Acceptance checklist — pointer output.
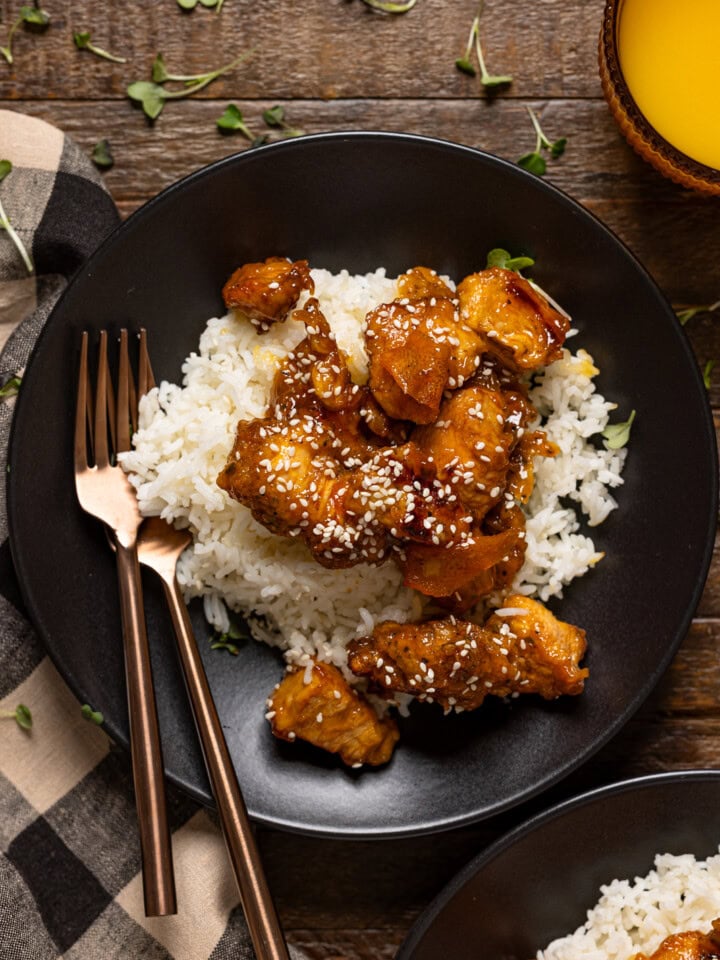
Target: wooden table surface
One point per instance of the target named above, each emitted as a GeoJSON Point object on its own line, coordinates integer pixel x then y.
{"type": "Point", "coordinates": [336, 65]}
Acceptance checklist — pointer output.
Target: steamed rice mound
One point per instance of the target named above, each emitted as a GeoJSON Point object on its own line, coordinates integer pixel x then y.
{"type": "Point", "coordinates": [289, 600]}
{"type": "Point", "coordinates": [680, 894]}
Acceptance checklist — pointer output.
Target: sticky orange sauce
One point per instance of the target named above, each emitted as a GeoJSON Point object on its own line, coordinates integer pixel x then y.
{"type": "Point", "coordinates": [669, 53]}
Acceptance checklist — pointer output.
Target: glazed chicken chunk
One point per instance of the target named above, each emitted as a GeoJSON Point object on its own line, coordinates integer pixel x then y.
{"type": "Point", "coordinates": [330, 714]}
{"type": "Point", "coordinates": [522, 649]}
{"type": "Point", "coordinates": [266, 292]}
{"type": "Point", "coordinates": [514, 321]}
{"type": "Point", "coordinates": [691, 945]}
{"type": "Point", "coordinates": [418, 349]}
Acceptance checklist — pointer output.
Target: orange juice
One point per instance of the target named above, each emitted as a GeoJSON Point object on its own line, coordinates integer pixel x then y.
{"type": "Point", "coordinates": [669, 53]}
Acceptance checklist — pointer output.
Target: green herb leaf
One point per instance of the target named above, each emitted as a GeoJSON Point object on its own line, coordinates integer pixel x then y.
{"type": "Point", "coordinates": [209, 3]}
{"type": "Point", "coordinates": [386, 6]}
{"type": "Point", "coordinates": [462, 63]}
{"type": "Point", "coordinates": [260, 140]}
{"type": "Point", "coordinates": [23, 716]}
{"type": "Point", "coordinates": [617, 434]}
{"type": "Point", "coordinates": [94, 716]}
{"type": "Point", "coordinates": [707, 373]}
{"type": "Point", "coordinates": [222, 644]}
{"type": "Point", "coordinates": [187, 4]}
{"type": "Point", "coordinates": [231, 120]}
{"type": "Point", "coordinates": [82, 42]}
{"type": "Point", "coordinates": [501, 258]}
{"type": "Point", "coordinates": [10, 388]}
{"type": "Point", "coordinates": [689, 312]}
{"type": "Point", "coordinates": [150, 95]}
{"type": "Point", "coordinates": [273, 117]}
{"type": "Point", "coordinates": [488, 80]}
{"type": "Point", "coordinates": [34, 16]}
{"type": "Point", "coordinates": [557, 149]}
{"type": "Point", "coordinates": [5, 169]}
{"type": "Point", "coordinates": [159, 71]}
{"type": "Point", "coordinates": [102, 155]}
{"type": "Point", "coordinates": [534, 163]}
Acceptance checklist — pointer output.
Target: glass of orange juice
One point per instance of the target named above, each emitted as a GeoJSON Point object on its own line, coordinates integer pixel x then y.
{"type": "Point", "coordinates": [660, 72]}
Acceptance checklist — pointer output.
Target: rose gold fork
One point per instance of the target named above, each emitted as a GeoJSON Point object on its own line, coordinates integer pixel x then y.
{"type": "Point", "coordinates": [159, 549]}
{"type": "Point", "coordinates": [104, 491]}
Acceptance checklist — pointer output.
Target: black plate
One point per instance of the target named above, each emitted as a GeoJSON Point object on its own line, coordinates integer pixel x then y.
{"type": "Point", "coordinates": [358, 201]}
{"type": "Point", "coordinates": [538, 882]}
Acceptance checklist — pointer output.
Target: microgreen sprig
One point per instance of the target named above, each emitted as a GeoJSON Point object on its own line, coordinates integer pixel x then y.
{"type": "Point", "coordinates": [21, 715]}
{"type": "Point", "coordinates": [707, 373]}
{"type": "Point", "coordinates": [535, 162]}
{"type": "Point", "coordinates": [10, 388]}
{"type": "Point", "coordinates": [465, 64]}
{"type": "Point", "coordinates": [152, 95]}
{"type": "Point", "coordinates": [501, 258]}
{"type": "Point", "coordinates": [33, 17]}
{"type": "Point", "coordinates": [94, 716]}
{"type": "Point", "coordinates": [390, 6]}
{"type": "Point", "coordinates": [275, 117]}
{"type": "Point", "coordinates": [82, 42]}
{"type": "Point", "coordinates": [5, 169]}
{"type": "Point", "coordinates": [102, 155]}
{"type": "Point", "coordinates": [222, 641]}
{"type": "Point", "coordinates": [191, 4]}
{"type": "Point", "coordinates": [231, 121]}
{"type": "Point", "coordinates": [617, 434]}
{"type": "Point", "coordinates": [689, 312]}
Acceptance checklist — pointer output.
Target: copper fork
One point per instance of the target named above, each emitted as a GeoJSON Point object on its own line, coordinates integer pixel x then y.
{"type": "Point", "coordinates": [159, 548]}
{"type": "Point", "coordinates": [104, 491]}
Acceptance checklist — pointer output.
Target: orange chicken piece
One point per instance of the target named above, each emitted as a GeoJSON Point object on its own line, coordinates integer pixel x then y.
{"type": "Point", "coordinates": [267, 292]}
{"type": "Point", "coordinates": [330, 714]}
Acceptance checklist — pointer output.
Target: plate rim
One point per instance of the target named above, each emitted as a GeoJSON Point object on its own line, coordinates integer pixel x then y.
{"type": "Point", "coordinates": [533, 823]}
{"type": "Point", "coordinates": [436, 824]}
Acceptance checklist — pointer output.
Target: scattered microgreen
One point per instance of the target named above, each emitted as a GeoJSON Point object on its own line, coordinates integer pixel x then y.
{"type": "Point", "coordinates": [275, 117]}
{"type": "Point", "coordinates": [707, 373]}
{"type": "Point", "coordinates": [5, 169]}
{"type": "Point", "coordinates": [465, 64]}
{"type": "Point", "coordinates": [191, 4]}
{"type": "Point", "coordinates": [222, 644]}
{"type": "Point", "coordinates": [152, 95]}
{"type": "Point", "coordinates": [617, 434]}
{"type": "Point", "coordinates": [82, 42]}
{"type": "Point", "coordinates": [94, 716]}
{"type": "Point", "coordinates": [689, 312]}
{"type": "Point", "coordinates": [34, 17]}
{"type": "Point", "coordinates": [21, 715]}
{"type": "Point", "coordinates": [501, 258]}
{"type": "Point", "coordinates": [10, 388]}
{"type": "Point", "coordinates": [231, 121]}
{"type": "Point", "coordinates": [535, 162]}
{"type": "Point", "coordinates": [102, 155]}
{"type": "Point", "coordinates": [390, 6]}
{"type": "Point", "coordinates": [223, 641]}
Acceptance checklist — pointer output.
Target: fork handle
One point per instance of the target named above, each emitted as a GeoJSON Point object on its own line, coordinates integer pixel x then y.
{"type": "Point", "coordinates": [147, 761]}
{"type": "Point", "coordinates": [262, 920]}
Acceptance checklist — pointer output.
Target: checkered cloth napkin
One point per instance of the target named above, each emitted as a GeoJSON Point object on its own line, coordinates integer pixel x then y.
{"type": "Point", "coordinates": [70, 882]}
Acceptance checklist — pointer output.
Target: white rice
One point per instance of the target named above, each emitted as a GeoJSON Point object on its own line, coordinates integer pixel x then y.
{"type": "Point", "coordinates": [680, 894]}
{"type": "Point", "coordinates": [291, 601]}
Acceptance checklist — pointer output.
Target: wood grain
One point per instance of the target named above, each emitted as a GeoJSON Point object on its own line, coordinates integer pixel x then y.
{"type": "Point", "coordinates": [335, 66]}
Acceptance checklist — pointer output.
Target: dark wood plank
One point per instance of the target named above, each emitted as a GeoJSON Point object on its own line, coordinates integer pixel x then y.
{"type": "Point", "coordinates": [311, 48]}
{"type": "Point", "coordinates": [659, 221]}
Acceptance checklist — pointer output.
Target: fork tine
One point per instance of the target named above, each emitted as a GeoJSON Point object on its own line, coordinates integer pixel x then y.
{"type": "Point", "coordinates": [123, 396]}
{"type": "Point", "coordinates": [146, 379]}
{"type": "Point", "coordinates": [81, 408]}
{"type": "Point", "coordinates": [100, 436]}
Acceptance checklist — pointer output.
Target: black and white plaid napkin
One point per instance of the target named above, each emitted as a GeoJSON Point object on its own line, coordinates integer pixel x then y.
{"type": "Point", "coordinates": [70, 882]}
